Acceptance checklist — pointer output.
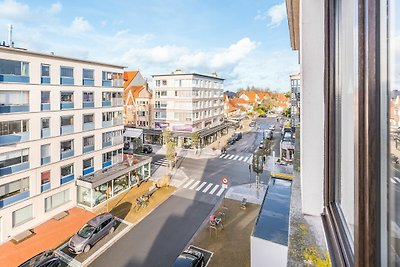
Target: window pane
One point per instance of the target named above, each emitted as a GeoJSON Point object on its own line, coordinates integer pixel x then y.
{"type": "Point", "coordinates": [87, 74]}
{"type": "Point", "coordinates": [67, 72]}
{"type": "Point", "coordinates": [45, 70]}
{"type": "Point", "coordinates": [45, 97]}
{"type": "Point", "coordinates": [22, 215]}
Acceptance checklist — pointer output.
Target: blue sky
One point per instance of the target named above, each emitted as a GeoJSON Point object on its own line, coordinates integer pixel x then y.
{"type": "Point", "coordinates": [244, 41]}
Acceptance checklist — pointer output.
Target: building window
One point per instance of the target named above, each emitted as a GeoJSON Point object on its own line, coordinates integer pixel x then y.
{"type": "Point", "coordinates": [14, 101]}
{"type": "Point", "coordinates": [66, 72]}
{"type": "Point", "coordinates": [88, 97]}
{"type": "Point", "coordinates": [11, 67]}
{"type": "Point", "coordinates": [88, 163]}
{"type": "Point", "coordinates": [67, 148]}
{"type": "Point", "coordinates": [45, 125]}
{"type": "Point", "coordinates": [13, 127]}
{"type": "Point", "coordinates": [14, 158]}
{"type": "Point", "coordinates": [67, 120]}
{"type": "Point", "coordinates": [67, 170]}
{"type": "Point", "coordinates": [45, 177]}
{"type": "Point", "coordinates": [45, 154]}
{"type": "Point", "coordinates": [57, 200]}
{"type": "Point", "coordinates": [88, 74]}
{"type": "Point", "coordinates": [45, 70]}
{"type": "Point", "coordinates": [158, 83]}
{"type": "Point", "coordinates": [22, 216]}
{"type": "Point", "coordinates": [67, 96]}
{"type": "Point", "coordinates": [164, 82]}
{"type": "Point", "coordinates": [14, 188]}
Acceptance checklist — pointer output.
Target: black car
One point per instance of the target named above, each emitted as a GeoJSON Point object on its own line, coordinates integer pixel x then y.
{"type": "Point", "coordinates": [45, 259]}
{"type": "Point", "coordinates": [231, 140]}
{"type": "Point", "coordinates": [238, 136]}
{"type": "Point", "coordinates": [189, 258]}
{"type": "Point", "coordinates": [147, 149]}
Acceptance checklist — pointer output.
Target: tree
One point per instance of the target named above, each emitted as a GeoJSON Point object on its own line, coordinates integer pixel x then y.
{"type": "Point", "coordinates": [268, 104]}
{"type": "Point", "coordinates": [170, 151]}
{"type": "Point", "coordinates": [288, 94]}
{"type": "Point", "coordinates": [167, 136]}
{"type": "Point", "coordinates": [287, 112]}
{"type": "Point", "coordinates": [195, 139]}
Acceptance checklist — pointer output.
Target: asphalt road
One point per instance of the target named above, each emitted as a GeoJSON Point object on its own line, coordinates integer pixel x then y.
{"type": "Point", "coordinates": [161, 236]}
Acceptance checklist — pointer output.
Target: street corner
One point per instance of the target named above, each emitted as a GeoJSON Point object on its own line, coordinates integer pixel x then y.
{"type": "Point", "coordinates": [83, 259]}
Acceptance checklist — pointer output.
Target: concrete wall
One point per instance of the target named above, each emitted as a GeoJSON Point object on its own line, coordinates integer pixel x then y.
{"type": "Point", "coordinates": [312, 105]}
{"type": "Point", "coordinates": [265, 253]}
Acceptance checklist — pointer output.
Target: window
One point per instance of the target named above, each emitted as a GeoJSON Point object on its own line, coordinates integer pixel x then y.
{"type": "Point", "coordinates": [88, 74]}
{"type": "Point", "coordinates": [107, 76]}
{"type": "Point", "coordinates": [22, 216]}
{"type": "Point", "coordinates": [88, 163]}
{"type": "Point", "coordinates": [45, 177]}
{"type": "Point", "coordinates": [106, 96]}
{"type": "Point", "coordinates": [14, 188]}
{"type": "Point", "coordinates": [88, 141]}
{"type": "Point", "coordinates": [14, 98]}
{"type": "Point", "coordinates": [67, 145]}
{"type": "Point", "coordinates": [88, 118]}
{"type": "Point", "coordinates": [67, 170]}
{"type": "Point", "coordinates": [13, 127]}
{"type": "Point", "coordinates": [107, 157]}
{"type": "Point", "coordinates": [45, 70]}
{"type": "Point", "coordinates": [158, 83]}
{"type": "Point", "coordinates": [66, 72]}
{"type": "Point", "coordinates": [57, 200]}
{"type": "Point", "coordinates": [67, 96]}
{"type": "Point", "coordinates": [164, 82]}
{"type": "Point", "coordinates": [160, 115]}
{"type": "Point", "coordinates": [45, 97]}
{"type": "Point", "coordinates": [45, 123]}
{"type": "Point", "coordinates": [11, 67]}
{"type": "Point", "coordinates": [67, 120]}
{"type": "Point", "coordinates": [14, 158]}
{"type": "Point", "coordinates": [88, 97]}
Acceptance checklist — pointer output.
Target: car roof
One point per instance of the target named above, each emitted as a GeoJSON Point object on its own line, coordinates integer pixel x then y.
{"type": "Point", "coordinates": [184, 260]}
{"type": "Point", "coordinates": [39, 258]}
{"type": "Point", "coordinates": [99, 219]}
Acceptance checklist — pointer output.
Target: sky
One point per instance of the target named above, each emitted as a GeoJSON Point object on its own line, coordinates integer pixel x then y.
{"type": "Point", "coordinates": [245, 41]}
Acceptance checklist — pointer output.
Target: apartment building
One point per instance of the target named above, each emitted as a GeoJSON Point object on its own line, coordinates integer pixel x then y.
{"type": "Point", "coordinates": [189, 102]}
{"type": "Point", "coordinates": [60, 121]}
{"type": "Point", "coordinates": [295, 99]}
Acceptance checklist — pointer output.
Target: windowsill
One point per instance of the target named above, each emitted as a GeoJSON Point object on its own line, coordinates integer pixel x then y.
{"type": "Point", "coordinates": [23, 222]}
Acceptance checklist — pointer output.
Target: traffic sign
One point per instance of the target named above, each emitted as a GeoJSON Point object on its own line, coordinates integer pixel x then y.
{"type": "Point", "coordinates": [224, 180]}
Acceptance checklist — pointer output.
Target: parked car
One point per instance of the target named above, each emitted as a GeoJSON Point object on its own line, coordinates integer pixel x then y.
{"type": "Point", "coordinates": [263, 116]}
{"type": "Point", "coordinates": [267, 134]}
{"type": "Point", "coordinates": [147, 149]}
{"type": "Point", "coordinates": [92, 232]}
{"type": "Point", "coordinates": [252, 124]}
{"type": "Point", "coordinates": [286, 130]}
{"type": "Point", "coordinates": [238, 136]}
{"type": "Point", "coordinates": [44, 259]}
{"type": "Point", "coordinates": [189, 258]}
{"type": "Point", "coordinates": [231, 140]}
{"type": "Point", "coordinates": [272, 127]}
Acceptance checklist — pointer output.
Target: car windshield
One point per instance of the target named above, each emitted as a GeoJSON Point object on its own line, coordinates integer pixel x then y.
{"type": "Point", "coordinates": [86, 231]}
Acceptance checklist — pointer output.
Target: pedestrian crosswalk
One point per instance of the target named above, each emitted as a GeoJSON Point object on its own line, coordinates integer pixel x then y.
{"type": "Point", "coordinates": [395, 180]}
{"type": "Point", "coordinates": [163, 162]}
{"type": "Point", "coordinates": [234, 157]}
{"type": "Point", "coordinates": [199, 186]}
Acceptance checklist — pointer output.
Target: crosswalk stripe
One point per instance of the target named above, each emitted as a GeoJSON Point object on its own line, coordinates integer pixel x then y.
{"type": "Point", "coordinates": [246, 158]}
{"type": "Point", "coordinates": [186, 185]}
{"type": "Point", "coordinates": [201, 186]}
{"type": "Point", "coordinates": [236, 157]}
{"type": "Point", "coordinates": [393, 180]}
{"type": "Point", "coordinates": [220, 191]}
{"type": "Point", "coordinates": [231, 156]}
{"type": "Point", "coordinates": [221, 156]}
{"type": "Point", "coordinates": [183, 181]}
{"type": "Point", "coordinates": [240, 158]}
{"type": "Point", "coordinates": [214, 189]}
{"type": "Point", "coordinates": [194, 185]}
{"type": "Point", "coordinates": [207, 187]}
{"type": "Point", "coordinates": [397, 179]}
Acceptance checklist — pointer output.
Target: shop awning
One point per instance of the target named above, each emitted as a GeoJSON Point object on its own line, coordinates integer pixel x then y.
{"type": "Point", "coordinates": [207, 132]}
{"type": "Point", "coordinates": [133, 133]}
{"type": "Point", "coordinates": [152, 131]}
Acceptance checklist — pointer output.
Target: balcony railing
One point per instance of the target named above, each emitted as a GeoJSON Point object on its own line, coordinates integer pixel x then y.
{"type": "Point", "coordinates": [88, 171]}
{"type": "Point", "coordinates": [45, 132]}
{"type": "Point", "coordinates": [9, 78]}
{"type": "Point", "coordinates": [67, 154]}
{"type": "Point", "coordinates": [14, 168]}
{"type": "Point", "coordinates": [88, 82]}
{"type": "Point", "coordinates": [67, 105]}
{"type": "Point", "coordinates": [14, 138]}
{"type": "Point", "coordinates": [87, 149]}
{"type": "Point", "coordinates": [107, 123]}
{"type": "Point", "coordinates": [45, 106]}
{"type": "Point", "coordinates": [45, 160]}
{"type": "Point", "coordinates": [10, 200]}
{"type": "Point", "coordinates": [14, 108]}
{"type": "Point", "coordinates": [107, 144]}
{"type": "Point", "coordinates": [66, 129]}
{"type": "Point", "coordinates": [88, 104]}
{"type": "Point", "coordinates": [45, 80]}
{"type": "Point", "coordinates": [45, 187]}
{"type": "Point", "coordinates": [106, 83]}
{"type": "Point", "coordinates": [106, 103]}
{"type": "Point", "coordinates": [67, 179]}
{"type": "Point", "coordinates": [107, 164]}
{"type": "Point", "coordinates": [67, 81]}
{"type": "Point", "coordinates": [88, 126]}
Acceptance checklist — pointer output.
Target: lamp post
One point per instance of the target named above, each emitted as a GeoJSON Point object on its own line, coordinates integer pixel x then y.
{"type": "Point", "coordinates": [250, 175]}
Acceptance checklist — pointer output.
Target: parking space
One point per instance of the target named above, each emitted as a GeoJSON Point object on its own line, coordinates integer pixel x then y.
{"type": "Point", "coordinates": [207, 254]}
{"type": "Point", "coordinates": [84, 259]}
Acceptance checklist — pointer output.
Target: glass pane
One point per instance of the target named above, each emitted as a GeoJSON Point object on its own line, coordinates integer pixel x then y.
{"type": "Point", "coordinates": [22, 215]}
{"type": "Point", "coordinates": [394, 118]}
{"type": "Point", "coordinates": [45, 70]}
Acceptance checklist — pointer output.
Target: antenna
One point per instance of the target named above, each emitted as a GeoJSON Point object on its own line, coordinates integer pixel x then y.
{"type": "Point", "coordinates": [10, 41]}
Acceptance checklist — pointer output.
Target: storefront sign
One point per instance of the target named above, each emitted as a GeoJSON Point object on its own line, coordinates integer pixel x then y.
{"type": "Point", "coordinates": [182, 128]}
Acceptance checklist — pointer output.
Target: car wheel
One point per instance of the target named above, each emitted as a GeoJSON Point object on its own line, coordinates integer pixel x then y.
{"type": "Point", "coordinates": [87, 248]}
{"type": "Point", "coordinates": [111, 230]}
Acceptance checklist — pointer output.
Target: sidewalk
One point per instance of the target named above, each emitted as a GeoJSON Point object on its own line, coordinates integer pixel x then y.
{"type": "Point", "coordinates": [48, 235]}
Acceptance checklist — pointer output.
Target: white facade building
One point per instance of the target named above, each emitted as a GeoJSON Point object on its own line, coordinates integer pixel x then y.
{"type": "Point", "coordinates": [60, 118]}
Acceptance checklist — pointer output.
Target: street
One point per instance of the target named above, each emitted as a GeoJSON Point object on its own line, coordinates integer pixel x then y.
{"type": "Point", "coordinates": [160, 237]}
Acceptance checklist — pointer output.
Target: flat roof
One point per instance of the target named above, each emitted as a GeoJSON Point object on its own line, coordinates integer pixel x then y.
{"type": "Point", "coordinates": [193, 73]}
{"type": "Point", "coordinates": [50, 55]}
{"type": "Point", "coordinates": [273, 220]}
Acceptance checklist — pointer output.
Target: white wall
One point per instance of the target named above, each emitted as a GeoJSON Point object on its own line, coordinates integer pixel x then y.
{"type": "Point", "coordinates": [265, 253]}
{"type": "Point", "coordinates": [312, 105]}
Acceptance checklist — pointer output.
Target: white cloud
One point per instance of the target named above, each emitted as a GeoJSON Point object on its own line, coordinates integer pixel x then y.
{"type": "Point", "coordinates": [12, 9]}
{"type": "Point", "coordinates": [234, 53]}
{"type": "Point", "coordinates": [79, 25]}
{"type": "Point", "coordinates": [55, 8]}
{"type": "Point", "coordinates": [277, 14]}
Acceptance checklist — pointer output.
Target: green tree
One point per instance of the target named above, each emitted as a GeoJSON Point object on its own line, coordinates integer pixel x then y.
{"type": "Point", "coordinates": [268, 104]}
{"type": "Point", "coordinates": [288, 94]}
{"type": "Point", "coordinates": [195, 137]}
{"type": "Point", "coordinates": [170, 151]}
{"type": "Point", "coordinates": [167, 136]}
{"type": "Point", "coordinates": [287, 112]}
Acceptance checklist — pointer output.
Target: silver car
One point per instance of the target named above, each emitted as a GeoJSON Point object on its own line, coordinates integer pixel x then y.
{"type": "Point", "coordinates": [93, 231]}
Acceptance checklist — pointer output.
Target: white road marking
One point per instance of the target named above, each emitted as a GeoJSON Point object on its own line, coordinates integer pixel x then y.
{"type": "Point", "coordinates": [246, 159]}
{"type": "Point", "coordinates": [194, 185]}
{"type": "Point", "coordinates": [393, 180]}
{"type": "Point", "coordinates": [222, 155]}
{"type": "Point", "coordinates": [231, 156]}
{"type": "Point", "coordinates": [207, 187]}
{"type": "Point", "coordinates": [236, 157]}
{"type": "Point", "coordinates": [183, 181]}
{"type": "Point", "coordinates": [186, 185]}
{"type": "Point", "coordinates": [225, 156]}
{"type": "Point", "coordinates": [201, 186]}
{"type": "Point", "coordinates": [220, 191]}
{"type": "Point", "coordinates": [240, 158]}
{"type": "Point", "coordinates": [214, 189]}
{"type": "Point", "coordinates": [397, 179]}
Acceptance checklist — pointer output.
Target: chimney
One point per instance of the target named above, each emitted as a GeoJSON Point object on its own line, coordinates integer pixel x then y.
{"type": "Point", "coordinates": [10, 41]}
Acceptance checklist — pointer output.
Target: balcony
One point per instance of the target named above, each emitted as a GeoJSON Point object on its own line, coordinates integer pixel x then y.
{"type": "Point", "coordinates": [13, 199]}
{"type": "Point", "coordinates": [13, 138]}
{"type": "Point", "coordinates": [88, 171]}
{"type": "Point", "coordinates": [87, 149]}
{"type": "Point", "coordinates": [67, 154]}
{"type": "Point", "coordinates": [107, 164]}
{"type": "Point", "coordinates": [88, 82]}
{"type": "Point", "coordinates": [45, 160]}
{"type": "Point", "coordinates": [14, 108]}
{"type": "Point", "coordinates": [107, 144]}
{"type": "Point", "coordinates": [117, 102]}
{"type": "Point", "coordinates": [14, 168]}
{"type": "Point", "coordinates": [45, 133]}
{"type": "Point", "coordinates": [67, 105]}
{"type": "Point", "coordinates": [45, 106]}
{"type": "Point", "coordinates": [116, 122]}
{"type": "Point", "coordinates": [67, 179]}
{"type": "Point", "coordinates": [45, 80]}
{"type": "Point", "coordinates": [67, 129]}
{"type": "Point", "coordinates": [88, 126]}
{"type": "Point", "coordinates": [67, 81]}
{"type": "Point", "coordinates": [88, 104]}
{"type": "Point", "coordinates": [106, 103]}
{"type": "Point", "coordinates": [45, 187]}
{"type": "Point", "coordinates": [106, 83]}
{"type": "Point", "coordinates": [107, 123]}
{"type": "Point", "coordinates": [9, 78]}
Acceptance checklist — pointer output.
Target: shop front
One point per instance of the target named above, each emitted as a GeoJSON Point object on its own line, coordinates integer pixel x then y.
{"type": "Point", "coordinates": [95, 189]}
